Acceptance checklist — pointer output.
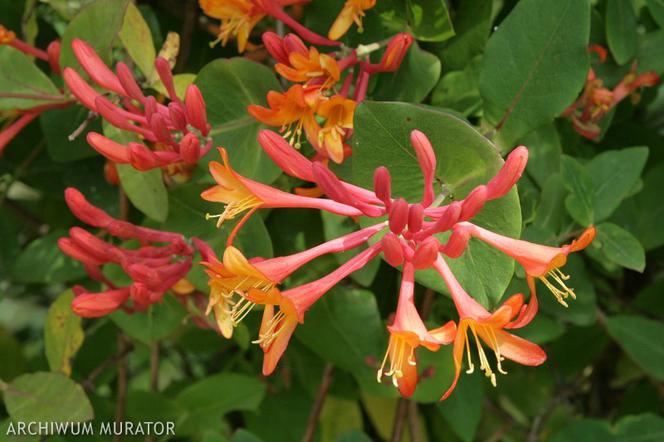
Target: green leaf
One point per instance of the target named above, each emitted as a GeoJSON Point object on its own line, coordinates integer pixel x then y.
{"type": "Point", "coordinates": [429, 20]}
{"type": "Point", "coordinates": [24, 85]}
{"type": "Point", "coordinates": [53, 265]}
{"type": "Point", "coordinates": [642, 428]}
{"type": "Point", "coordinates": [656, 8]}
{"type": "Point", "coordinates": [579, 183]}
{"type": "Point", "coordinates": [642, 214]}
{"type": "Point", "coordinates": [11, 355]}
{"type": "Point", "coordinates": [586, 430]}
{"type": "Point", "coordinates": [544, 153]}
{"type": "Point", "coordinates": [157, 323]}
{"type": "Point", "coordinates": [641, 339]}
{"type": "Point", "coordinates": [229, 86]}
{"type": "Point", "coordinates": [344, 328]}
{"type": "Point", "coordinates": [459, 90]}
{"type": "Point", "coordinates": [472, 23]}
{"type": "Point", "coordinates": [98, 24]}
{"type": "Point", "coordinates": [63, 334]}
{"type": "Point", "coordinates": [615, 173]}
{"type": "Point", "coordinates": [47, 397]}
{"type": "Point", "coordinates": [206, 401]}
{"type": "Point", "coordinates": [621, 247]}
{"type": "Point", "coordinates": [58, 124]}
{"type": "Point", "coordinates": [465, 159]}
{"type": "Point", "coordinates": [145, 190]}
{"type": "Point", "coordinates": [621, 30]}
{"type": "Point", "coordinates": [338, 417]}
{"type": "Point", "coordinates": [416, 77]}
{"type": "Point", "coordinates": [535, 64]}
{"type": "Point", "coordinates": [137, 39]}
{"type": "Point", "coordinates": [463, 410]}
{"type": "Point", "coordinates": [551, 209]}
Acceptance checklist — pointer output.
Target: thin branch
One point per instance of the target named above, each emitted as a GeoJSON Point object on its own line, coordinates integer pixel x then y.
{"type": "Point", "coordinates": [89, 382]}
{"type": "Point", "coordinates": [123, 382]}
{"type": "Point", "coordinates": [79, 130]}
{"type": "Point", "coordinates": [154, 367]}
{"type": "Point", "coordinates": [399, 420]}
{"type": "Point", "coordinates": [414, 423]}
{"type": "Point", "coordinates": [317, 407]}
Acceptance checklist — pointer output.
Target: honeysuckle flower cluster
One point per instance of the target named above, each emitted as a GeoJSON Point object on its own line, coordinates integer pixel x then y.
{"type": "Point", "coordinates": [159, 264]}
{"type": "Point", "coordinates": [405, 234]}
{"type": "Point", "coordinates": [596, 100]}
{"type": "Point", "coordinates": [177, 133]}
{"type": "Point", "coordinates": [314, 96]}
{"type": "Point", "coordinates": [16, 120]}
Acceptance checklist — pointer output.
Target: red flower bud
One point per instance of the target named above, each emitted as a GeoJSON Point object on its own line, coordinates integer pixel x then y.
{"type": "Point", "coordinates": [53, 51]}
{"type": "Point", "coordinates": [80, 88]}
{"type": "Point", "coordinates": [160, 129]}
{"type": "Point", "coordinates": [427, 159]}
{"type": "Point", "coordinates": [293, 43]}
{"type": "Point", "coordinates": [275, 46]}
{"type": "Point", "coordinates": [195, 110]}
{"type": "Point", "coordinates": [95, 305]}
{"type": "Point", "coordinates": [190, 149]}
{"type": "Point", "coordinates": [426, 253]}
{"type": "Point", "coordinates": [398, 215]}
{"type": "Point", "coordinates": [110, 149]}
{"type": "Point", "coordinates": [509, 174]}
{"type": "Point", "coordinates": [392, 249]}
{"type": "Point", "coordinates": [178, 117]}
{"type": "Point", "coordinates": [457, 242]}
{"type": "Point", "coordinates": [395, 52]}
{"type": "Point", "coordinates": [383, 185]}
{"type": "Point", "coordinates": [474, 202]}
{"type": "Point", "coordinates": [128, 82]}
{"type": "Point", "coordinates": [415, 218]}
{"type": "Point", "coordinates": [164, 71]}
{"type": "Point", "coordinates": [95, 67]}
{"type": "Point", "coordinates": [85, 211]}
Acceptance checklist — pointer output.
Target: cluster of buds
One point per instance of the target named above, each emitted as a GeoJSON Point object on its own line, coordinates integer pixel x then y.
{"type": "Point", "coordinates": [178, 133]}
{"type": "Point", "coordinates": [407, 239]}
{"type": "Point", "coordinates": [17, 119]}
{"type": "Point", "coordinates": [314, 97]}
{"type": "Point", "coordinates": [596, 100]}
{"type": "Point", "coordinates": [239, 17]}
{"type": "Point", "coordinates": [159, 264]}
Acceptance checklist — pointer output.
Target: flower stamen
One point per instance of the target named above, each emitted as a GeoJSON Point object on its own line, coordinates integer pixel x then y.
{"type": "Point", "coordinates": [562, 291]}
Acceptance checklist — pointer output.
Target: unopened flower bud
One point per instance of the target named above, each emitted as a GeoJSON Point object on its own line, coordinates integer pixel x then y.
{"type": "Point", "coordinates": [426, 253]}
{"type": "Point", "coordinates": [398, 215]}
{"type": "Point", "coordinates": [195, 110]}
{"type": "Point", "coordinates": [95, 67]}
{"type": "Point", "coordinates": [128, 82]}
{"type": "Point", "coordinates": [294, 44]}
{"type": "Point", "coordinates": [275, 46]}
{"type": "Point", "coordinates": [177, 113]}
{"type": "Point", "coordinates": [383, 185]}
{"type": "Point", "coordinates": [415, 217]}
{"type": "Point", "coordinates": [190, 149]}
{"type": "Point", "coordinates": [395, 52]}
{"type": "Point", "coordinates": [509, 174]}
{"type": "Point", "coordinates": [392, 250]}
{"type": "Point", "coordinates": [474, 202]}
{"type": "Point", "coordinates": [164, 71]}
{"type": "Point", "coordinates": [95, 305]}
{"type": "Point", "coordinates": [53, 51]}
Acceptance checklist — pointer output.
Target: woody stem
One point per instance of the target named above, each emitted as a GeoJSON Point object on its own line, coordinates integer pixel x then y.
{"type": "Point", "coordinates": [399, 420]}
{"type": "Point", "coordinates": [319, 401]}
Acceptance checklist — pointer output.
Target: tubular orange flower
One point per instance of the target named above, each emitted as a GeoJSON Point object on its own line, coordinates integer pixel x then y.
{"type": "Point", "coordinates": [487, 328]}
{"type": "Point", "coordinates": [338, 113]}
{"type": "Point", "coordinates": [293, 110]}
{"type": "Point", "coordinates": [310, 68]}
{"type": "Point", "coordinates": [406, 334]}
{"type": "Point", "coordinates": [241, 194]}
{"type": "Point", "coordinates": [353, 11]}
{"type": "Point", "coordinates": [238, 18]}
{"type": "Point", "coordinates": [236, 275]}
{"type": "Point", "coordinates": [539, 261]}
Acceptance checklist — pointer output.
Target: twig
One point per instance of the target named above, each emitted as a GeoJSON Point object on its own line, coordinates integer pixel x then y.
{"type": "Point", "coordinates": [190, 16]}
{"type": "Point", "coordinates": [89, 382]}
{"type": "Point", "coordinates": [399, 420]}
{"type": "Point", "coordinates": [317, 407]}
{"type": "Point", "coordinates": [79, 130]}
{"type": "Point", "coordinates": [154, 367]}
{"type": "Point", "coordinates": [121, 404]}
{"type": "Point", "coordinates": [414, 423]}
